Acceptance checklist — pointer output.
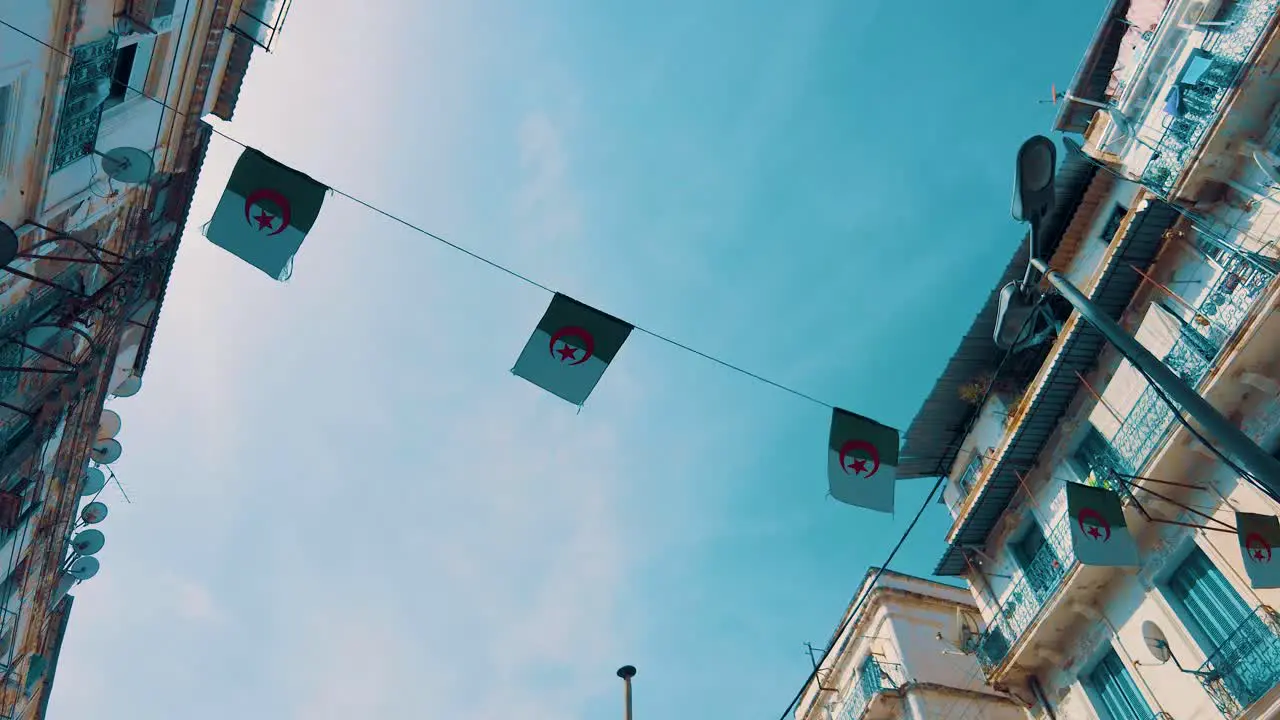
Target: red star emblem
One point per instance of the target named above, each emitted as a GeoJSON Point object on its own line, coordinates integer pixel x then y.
{"type": "Point", "coordinates": [1258, 555]}
{"type": "Point", "coordinates": [567, 352]}
{"type": "Point", "coordinates": [264, 220]}
{"type": "Point", "coordinates": [1094, 532]}
{"type": "Point", "coordinates": [858, 466]}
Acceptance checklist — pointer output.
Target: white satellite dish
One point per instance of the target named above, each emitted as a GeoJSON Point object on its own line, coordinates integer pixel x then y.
{"type": "Point", "coordinates": [1269, 163]}
{"type": "Point", "coordinates": [94, 481]}
{"type": "Point", "coordinates": [84, 568]}
{"type": "Point", "coordinates": [88, 542]}
{"type": "Point", "coordinates": [127, 164]}
{"type": "Point", "coordinates": [94, 513]}
{"type": "Point", "coordinates": [65, 583]}
{"type": "Point", "coordinates": [141, 315]}
{"type": "Point", "coordinates": [106, 451]}
{"type": "Point", "coordinates": [1156, 642]}
{"type": "Point", "coordinates": [109, 425]}
{"type": "Point", "coordinates": [128, 387]}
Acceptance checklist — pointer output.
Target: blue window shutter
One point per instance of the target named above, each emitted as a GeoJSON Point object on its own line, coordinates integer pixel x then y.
{"type": "Point", "coordinates": [1207, 604]}
{"type": "Point", "coordinates": [1115, 692]}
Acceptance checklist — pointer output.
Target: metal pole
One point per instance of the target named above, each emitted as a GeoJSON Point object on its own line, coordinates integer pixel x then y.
{"type": "Point", "coordinates": [626, 672]}
{"type": "Point", "coordinates": [1232, 440]}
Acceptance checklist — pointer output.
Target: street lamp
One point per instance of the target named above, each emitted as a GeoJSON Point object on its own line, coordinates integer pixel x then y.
{"type": "Point", "coordinates": [1019, 311]}
{"type": "Point", "coordinates": [626, 672]}
{"type": "Point", "coordinates": [1033, 199]}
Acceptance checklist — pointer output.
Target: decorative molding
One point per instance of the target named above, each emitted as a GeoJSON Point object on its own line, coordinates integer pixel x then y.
{"type": "Point", "coordinates": [1261, 382]}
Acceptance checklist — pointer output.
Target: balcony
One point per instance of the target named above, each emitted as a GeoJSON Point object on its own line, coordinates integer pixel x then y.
{"type": "Point", "coordinates": [1039, 582]}
{"type": "Point", "coordinates": [1247, 664]}
{"type": "Point", "coordinates": [1225, 54]}
{"type": "Point", "coordinates": [876, 678]}
{"type": "Point", "coordinates": [261, 20]}
{"type": "Point", "coordinates": [1224, 309]}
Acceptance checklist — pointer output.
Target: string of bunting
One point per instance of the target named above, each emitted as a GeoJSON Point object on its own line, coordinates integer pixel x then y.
{"type": "Point", "coordinates": [267, 210]}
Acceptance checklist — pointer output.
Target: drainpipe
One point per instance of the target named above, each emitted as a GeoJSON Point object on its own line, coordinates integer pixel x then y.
{"type": "Point", "coordinates": [1038, 690]}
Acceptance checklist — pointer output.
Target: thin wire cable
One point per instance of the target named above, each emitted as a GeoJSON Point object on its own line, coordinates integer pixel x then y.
{"type": "Point", "coordinates": [858, 606]}
{"type": "Point", "coordinates": [1182, 420]}
{"type": "Point", "coordinates": [481, 258]}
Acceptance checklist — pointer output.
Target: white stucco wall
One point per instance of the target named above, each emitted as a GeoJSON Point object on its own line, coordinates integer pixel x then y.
{"type": "Point", "coordinates": [1087, 260]}
{"type": "Point", "coordinates": [25, 62]}
{"type": "Point", "coordinates": [915, 624]}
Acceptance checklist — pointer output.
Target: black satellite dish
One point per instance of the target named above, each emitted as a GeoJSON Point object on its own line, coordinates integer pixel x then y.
{"type": "Point", "coordinates": [8, 244]}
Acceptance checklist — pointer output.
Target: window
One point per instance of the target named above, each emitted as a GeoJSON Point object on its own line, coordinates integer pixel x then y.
{"type": "Point", "coordinates": [1096, 458]}
{"type": "Point", "coordinates": [7, 105]}
{"type": "Point", "coordinates": [10, 105]}
{"type": "Point", "coordinates": [1205, 601]}
{"type": "Point", "coordinates": [1113, 223]}
{"type": "Point", "coordinates": [129, 74]}
{"type": "Point", "coordinates": [971, 472]}
{"type": "Point", "coordinates": [1039, 562]}
{"type": "Point", "coordinates": [1114, 693]}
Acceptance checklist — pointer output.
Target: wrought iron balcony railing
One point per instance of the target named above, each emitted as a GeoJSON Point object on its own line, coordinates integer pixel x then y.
{"type": "Point", "coordinates": [81, 114]}
{"type": "Point", "coordinates": [1038, 583]}
{"type": "Point", "coordinates": [1226, 306]}
{"type": "Point", "coordinates": [874, 678]}
{"type": "Point", "coordinates": [1246, 665]}
{"type": "Point", "coordinates": [1228, 50]}
{"type": "Point", "coordinates": [260, 21]}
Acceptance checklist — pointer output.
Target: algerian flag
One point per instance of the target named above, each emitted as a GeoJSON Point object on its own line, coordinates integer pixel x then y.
{"type": "Point", "coordinates": [1259, 535]}
{"type": "Point", "coordinates": [265, 213]}
{"type": "Point", "coordinates": [571, 348]}
{"type": "Point", "coordinates": [862, 461]}
{"type": "Point", "coordinates": [1099, 534]}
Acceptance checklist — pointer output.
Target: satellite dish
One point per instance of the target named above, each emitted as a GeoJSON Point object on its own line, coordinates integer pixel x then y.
{"type": "Point", "coordinates": [88, 542]}
{"type": "Point", "coordinates": [94, 513]}
{"type": "Point", "coordinates": [109, 425]}
{"type": "Point", "coordinates": [8, 244]}
{"type": "Point", "coordinates": [1269, 163]}
{"type": "Point", "coordinates": [94, 481]}
{"type": "Point", "coordinates": [106, 451]}
{"type": "Point", "coordinates": [127, 164]}
{"type": "Point", "coordinates": [128, 387]}
{"type": "Point", "coordinates": [1155, 640]}
{"type": "Point", "coordinates": [84, 568]}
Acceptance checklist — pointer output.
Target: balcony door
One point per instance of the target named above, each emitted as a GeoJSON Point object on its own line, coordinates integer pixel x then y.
{"type": "Point", "coordinates": [1114, 693]}
{"type": "Point", "coordinates": [1039, 563]}
{"type": "Point", "coordinates": [1206, 602]}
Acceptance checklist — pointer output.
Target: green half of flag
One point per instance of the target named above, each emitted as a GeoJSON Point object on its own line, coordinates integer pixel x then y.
{"type": "Point", "coordinates": [1099, 533]}
{"type": "Point", "coordinates": [1259, 536]}
{"type": "Point", "coordinates": [265, 213]}
{"type": "Point", "coordinates": [570, 349]}
{"type": "Point", "coordinates": [862, 461]}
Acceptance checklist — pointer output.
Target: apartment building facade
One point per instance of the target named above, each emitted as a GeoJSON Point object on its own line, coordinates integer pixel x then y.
{"type": "Point", "coordinates": [89, 243]}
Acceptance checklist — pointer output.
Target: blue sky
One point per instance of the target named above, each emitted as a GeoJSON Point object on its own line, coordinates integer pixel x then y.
{"type": "Point", "coordinates": [344, 505]}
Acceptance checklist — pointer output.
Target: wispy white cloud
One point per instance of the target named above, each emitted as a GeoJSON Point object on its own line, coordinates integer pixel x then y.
{"type": "Point", "coordinates": [193, 601]}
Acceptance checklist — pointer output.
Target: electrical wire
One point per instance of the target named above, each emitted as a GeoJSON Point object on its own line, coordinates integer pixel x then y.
{"type": "Point", "coordinates": [942, 478]}
{"type": "Point", "coordinates": [1182, 420]}
{"type": "Point", "coordinates": [488, 261]}
{"type": "Point", "coordinates": [858, 606]}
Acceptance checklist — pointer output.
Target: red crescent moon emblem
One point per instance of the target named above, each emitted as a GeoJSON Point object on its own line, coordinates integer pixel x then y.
{"type": "Point", "coordinates": [1257, 545]}
{"type": "Point", "coordinates": [274, 197]}
{"type": "Point", "coordinates": [588, 342]}
{"type": "Point", "coordinates": [1095, 518]}
{"type": "Point", "coordinates": [865, 447]}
